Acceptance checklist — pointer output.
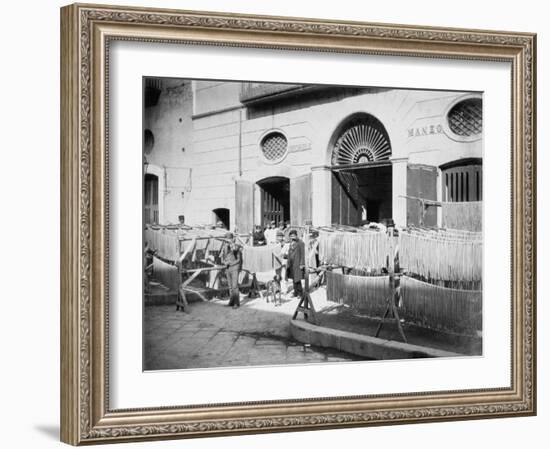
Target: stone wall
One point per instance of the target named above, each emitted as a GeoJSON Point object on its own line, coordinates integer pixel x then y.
{"type": "Point", "coordinates": [223, 141]}
{"type": "Point", "coordinates": [170, 158]}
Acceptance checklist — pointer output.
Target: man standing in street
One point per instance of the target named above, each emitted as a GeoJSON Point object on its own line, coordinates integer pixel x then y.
{"type": "Point", "coordinates": [232, 259]}
{"type": "Point", "coordinates": [296, 263]}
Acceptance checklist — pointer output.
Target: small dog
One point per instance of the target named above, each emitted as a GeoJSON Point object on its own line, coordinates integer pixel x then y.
{"type": "Point", "coordinates": [274, 290]}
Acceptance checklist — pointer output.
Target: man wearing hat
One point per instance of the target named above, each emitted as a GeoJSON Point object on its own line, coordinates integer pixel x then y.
{"type": "Point", "coordinates": [232, 259]}
{"type": "Point", "coordinates": [258, 238]}
{"type": "Point", "coordinates": [296, 262]}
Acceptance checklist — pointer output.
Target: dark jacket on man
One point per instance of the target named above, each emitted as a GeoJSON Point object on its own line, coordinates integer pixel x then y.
{"type": "Point", "coordinates": [258, 238]}
{"type": "Point", "coordinates": [296, 258]}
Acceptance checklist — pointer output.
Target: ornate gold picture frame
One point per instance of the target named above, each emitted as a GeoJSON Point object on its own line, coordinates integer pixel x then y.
{"type": "Point", "coordinates": [87, 31]}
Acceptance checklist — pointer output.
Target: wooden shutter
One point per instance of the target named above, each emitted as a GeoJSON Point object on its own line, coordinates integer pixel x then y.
{"type": "Point", "coordinates": [462, 183]}
{"type": "Point", "coordinates": [421, 183]}
{"type": "Point", "coordinates": [244, 206]}
{"type": "Point", "coordinates": [300, 200]}
{"type": "Point", "coordinates": [345, 201]}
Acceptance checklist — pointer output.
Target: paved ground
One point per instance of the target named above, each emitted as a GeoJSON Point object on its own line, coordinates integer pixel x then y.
{"type": "Point", "coordinates": [342, 318]}
{"type": "Point", "coordinates": [214, 335]}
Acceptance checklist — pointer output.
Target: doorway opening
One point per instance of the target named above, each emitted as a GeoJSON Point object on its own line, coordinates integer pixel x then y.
{"type": "Point", "coordinates": [221, 214]}
{"type": "Point", "coordinates": [362, 195]}
{"type": "Point", "coordinates": [151, 199]}
{"type": "Point", "coordinates": [362, 171]}
{"type": "Point", "coordinates": [275, 200]}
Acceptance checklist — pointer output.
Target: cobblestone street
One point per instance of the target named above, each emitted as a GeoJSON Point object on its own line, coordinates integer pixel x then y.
{"type": "Point", "coordinates": [214, 335]}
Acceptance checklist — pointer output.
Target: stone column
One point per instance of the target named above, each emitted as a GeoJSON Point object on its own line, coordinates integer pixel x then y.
{"type": "Point", "coordinates": [399, 189]}
{"type": "Point", "coordinates": [439, 197]}
{"type": "Point", "coordinates": [321, 193]}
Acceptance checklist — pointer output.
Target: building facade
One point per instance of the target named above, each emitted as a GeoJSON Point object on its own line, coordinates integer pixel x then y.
{"type": "Point", "coordinates": [249, 153]}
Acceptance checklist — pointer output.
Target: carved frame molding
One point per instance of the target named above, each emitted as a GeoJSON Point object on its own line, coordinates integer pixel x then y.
{"type": "Point", "coordinates": [87, 31]}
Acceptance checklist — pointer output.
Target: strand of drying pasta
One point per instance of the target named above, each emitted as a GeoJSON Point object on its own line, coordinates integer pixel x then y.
{"type": "Point", "coordinates": [165, 244]}
{"type": "Point", "coordinates": [169, 243]}
{"type": "Point", "coordinates": [365, 294]}
{"type": "Point", "coordinates": [362, 250]}
{"type": "Point", "coordinates": [166, 274]}
{"type": "Point", "coordinates": [437, 257]}
{"type": "Point", "coordinates": [439, 307]}
{"type": "Point", "coordinates": [450, 234]}
{"type": "Point", "coordinates": [258, 259]}
{"type": "Point", "coordinates": [462, 215]}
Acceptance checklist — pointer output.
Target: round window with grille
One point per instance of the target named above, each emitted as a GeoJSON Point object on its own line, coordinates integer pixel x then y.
{"type": "Point", "coordinates": [466, 117]}
{"type": "Point", "coordinates": [274, 146]}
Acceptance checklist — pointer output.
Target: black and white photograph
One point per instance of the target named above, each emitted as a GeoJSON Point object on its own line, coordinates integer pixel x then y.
{"type": "Point", "coordinates": [305, 223]}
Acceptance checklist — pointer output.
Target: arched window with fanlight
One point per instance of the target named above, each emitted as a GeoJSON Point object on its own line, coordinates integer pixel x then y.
{"type": "Point", "coordinates": [362, 171]}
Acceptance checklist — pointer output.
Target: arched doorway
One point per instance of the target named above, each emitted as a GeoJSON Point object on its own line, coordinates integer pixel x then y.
{"type": "Point", "coordinates": [274, 199]}
{"type": "Point", "coordinates": [362, 172]}
{"type": "Point", "coordinates": [221, 214]}
{"type": "Point", "coordinates": [151, 199]}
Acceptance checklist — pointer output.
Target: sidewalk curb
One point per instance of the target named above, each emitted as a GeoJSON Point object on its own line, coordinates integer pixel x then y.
{"type": "Point", "coordinates": [361, 345]}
